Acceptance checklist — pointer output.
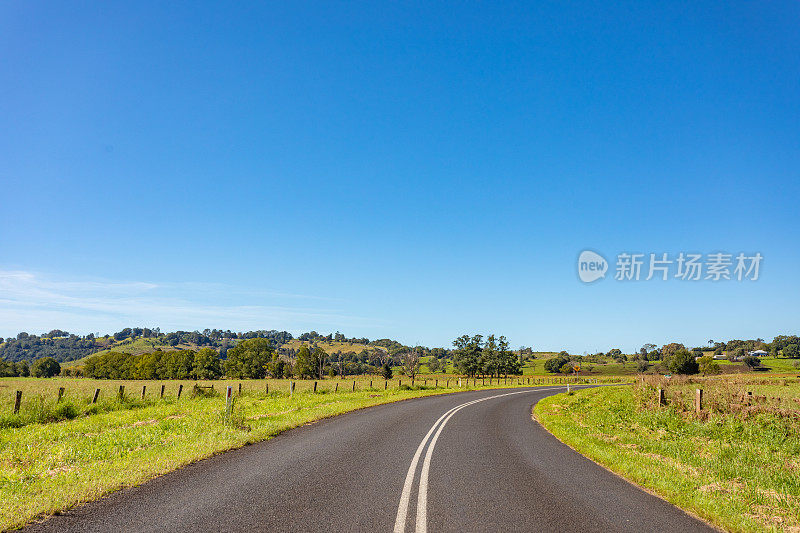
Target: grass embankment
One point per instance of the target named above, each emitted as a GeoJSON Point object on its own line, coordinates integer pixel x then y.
{"type": "Point", "coordinates": [736, 464]}
{"type": "Point", "coordinates": [100, 448]}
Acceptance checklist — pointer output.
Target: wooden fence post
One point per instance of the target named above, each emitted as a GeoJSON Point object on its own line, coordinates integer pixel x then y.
{"type": "Point", "coordinates": [17, 401]}
{"type": "Point", "coordinates": [315, 386]}
{"type": "Point", "coordinates": [354, 385]}
{"type": "Point", "coordinates": [96, 394]}
{"type": "Point", "coordinates": [399, 383]}
{"type": "Point", "coordinates": [180, 390]}
{"type": "Point", "coordinates": [662, 400]}
{"type": "Point", "coordinates": [385, 384]}
{"type": "Point", "coordinates": [161, 394]}
{"type": "Point", "coordinates": [121, 393]}
{"type": "Point", "coordinates": [370, 384]}
{"type": "Point", "coordinates": [60, 394]}
{"type": "Point", "coordinates": [436, 383]}
{"type": "Point", "coordinates": [336, 388]}
{"type": "Point", "coordinates": [240, 388]}
{"type": "Point", "coordinates": [144, 388]}
{"type": "Point", "coordinates": [698, 400]}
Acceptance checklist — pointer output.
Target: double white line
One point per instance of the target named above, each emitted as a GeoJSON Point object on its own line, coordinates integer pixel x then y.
{"type": "Point", "coordinates": [422, 494]}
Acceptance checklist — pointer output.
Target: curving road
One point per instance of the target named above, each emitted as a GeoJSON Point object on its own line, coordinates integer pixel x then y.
{"type": "Point", "coordinates": [472, 461]}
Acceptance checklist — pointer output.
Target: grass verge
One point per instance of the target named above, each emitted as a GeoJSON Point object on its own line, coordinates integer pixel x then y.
{"type": "Point", "coordinates": [740, 471]}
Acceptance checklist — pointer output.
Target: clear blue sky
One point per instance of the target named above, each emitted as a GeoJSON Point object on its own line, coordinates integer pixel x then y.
{"type": "Point", "coordinates": [401, 170]}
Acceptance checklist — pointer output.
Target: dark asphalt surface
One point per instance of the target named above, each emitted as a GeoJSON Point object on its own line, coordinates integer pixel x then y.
{"type": "Point", "coordinates": [492, 469]}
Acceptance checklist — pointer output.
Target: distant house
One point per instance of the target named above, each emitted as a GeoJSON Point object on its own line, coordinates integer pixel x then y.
{"type": "Point", "coordinates": [720, 356]}
{"type": "Point", "coordinates": [758, 353]}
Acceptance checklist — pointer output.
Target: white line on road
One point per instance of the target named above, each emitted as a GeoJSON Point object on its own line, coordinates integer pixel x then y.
{"type": "Point", "coordinates": [422, 496]}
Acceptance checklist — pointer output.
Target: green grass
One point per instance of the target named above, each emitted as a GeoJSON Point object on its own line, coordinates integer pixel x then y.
{"type": "Point", "coordinates": [736, 466]}
{"type": "Point", "coordinates": [52, 466]}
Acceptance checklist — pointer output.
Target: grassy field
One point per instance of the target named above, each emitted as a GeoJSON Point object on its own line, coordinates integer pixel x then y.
{"type": "Point", "coordinates": [736, 464]}
{"type": "Point", "coordinates": [48, 467]}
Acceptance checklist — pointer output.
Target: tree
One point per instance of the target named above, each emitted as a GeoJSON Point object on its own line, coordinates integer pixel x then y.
{"type": "Point", "coordinates": [387, 371]}
{"type": "Point", "coordinates": [433, 364]}
{"type": "Point", "coordinates": [566, 369]}
{"type": "Point", "coordinates": [490, 357]}
{"type": "Point", "coordinates": [792, 351]}
{"type": "Point", "coordinates": [751, 362]}
{"type": "Point", "coordinates": [467, 355]}
{"type": "Point", "coordinates": [642, 365]}
{"type": "Point", "coordinates": [554, 364]}
{"type": "Point", "coordinates": [206, 364]}
{"type": "Point", "coordinates": [305, 365]}
{"type": "Point", "coordinates": [410, 362]}
{"type": "Point", "coordinates": [46, 367]}
{"type": "Point", "coordinates": [509, 362]}
{"type": "Point", "coordinates": [682, 362]}
{"type": "Point", "coordinates": [668, 350]}
{"type": "Point", "coordinates": [249, 359]}
{"type": "Point", "coordinates": [737, 354]}
{"type": "Point", "coordinates": [708, 366]}
{"type": "Point", "coordinates": [21, 368]}
{"type": "Point", "coordinates": [318, 357]}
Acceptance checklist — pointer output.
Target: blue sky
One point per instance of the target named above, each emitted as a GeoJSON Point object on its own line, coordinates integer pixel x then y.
{"type": "Point", "coordinates": [412, 171]}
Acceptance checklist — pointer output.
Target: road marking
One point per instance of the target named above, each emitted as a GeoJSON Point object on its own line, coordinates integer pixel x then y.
{"type": "Point", "coordinates": [422, 496]}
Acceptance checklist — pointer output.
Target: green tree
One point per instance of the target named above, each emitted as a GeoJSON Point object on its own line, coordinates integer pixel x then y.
{"type": "Point", "coordinates": [387, 371]}
{"type": "Point", "coordinates": [46, 367]}
{"type": "Point", "coordinates": [792, 351]}
{"type": "Point", "coordinates": [207, 364]}
{"type": "Point", "coordinates": [305, 365]}
{"type": "Point", "coordinates": [467, 354]}
{"type": "Point", "coordinates": [21, 368]}
{"type": "Point", "coordinates": [249, 359]}
{"type": "Point", "coordinates": [566, 368]}
{"type": "Point", "coordinates": [668, 350]}
{"type": "Point", "coordinates": [736, 354]}
{"type": "Point", "coordinates": [553, 365]}
{"type": "Point", "coordinates": [318, 357]}
{"type": "Point", "coordinates": [751, 362]}
{"type": "Point", "coordinates": [433, 364]}
{"type": "Point", "coordinates": [682, 362]}
{"type": "Point", "coordinates": [708, 366]}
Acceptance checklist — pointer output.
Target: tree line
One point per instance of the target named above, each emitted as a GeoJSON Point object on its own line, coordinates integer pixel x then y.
{"type": "Point", "coordinates": [475, 356]}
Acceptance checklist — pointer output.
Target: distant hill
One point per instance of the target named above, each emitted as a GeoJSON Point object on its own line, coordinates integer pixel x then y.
{"type": "Point", "coordinates": [71, 349]}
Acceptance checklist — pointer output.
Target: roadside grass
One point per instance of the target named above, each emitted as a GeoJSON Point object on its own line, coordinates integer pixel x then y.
{"type": "Point", "coordinates": [47, 467]}
{"type": "Point", "coordinates": [735, 464]}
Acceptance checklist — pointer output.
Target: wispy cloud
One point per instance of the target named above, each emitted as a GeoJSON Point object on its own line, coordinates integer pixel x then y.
{"type": "Point", "coordinates": [36, 302]}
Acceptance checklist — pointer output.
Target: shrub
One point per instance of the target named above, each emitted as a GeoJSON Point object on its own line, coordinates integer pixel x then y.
{"type": "Point", "coordinates": [751, 362]}
{"type": "Point", "coordinates": [46, 367]}
{"type": "Point", "coordinates": [682, 361]}
{"type": "Point", "coordinates": [708, 366]}
{"type": "Point", "coordinates": [792, 351]}
{"type": "Point", "coordinates": [386, 370]}
{"type": "Point", "coordinates": [66, 410]}
{"type": "Point", "coordinates": [554, 365]}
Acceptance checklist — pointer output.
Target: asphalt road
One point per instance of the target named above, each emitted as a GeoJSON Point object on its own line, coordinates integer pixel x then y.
{"type": "Point", "coordinates": [472, 461]}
